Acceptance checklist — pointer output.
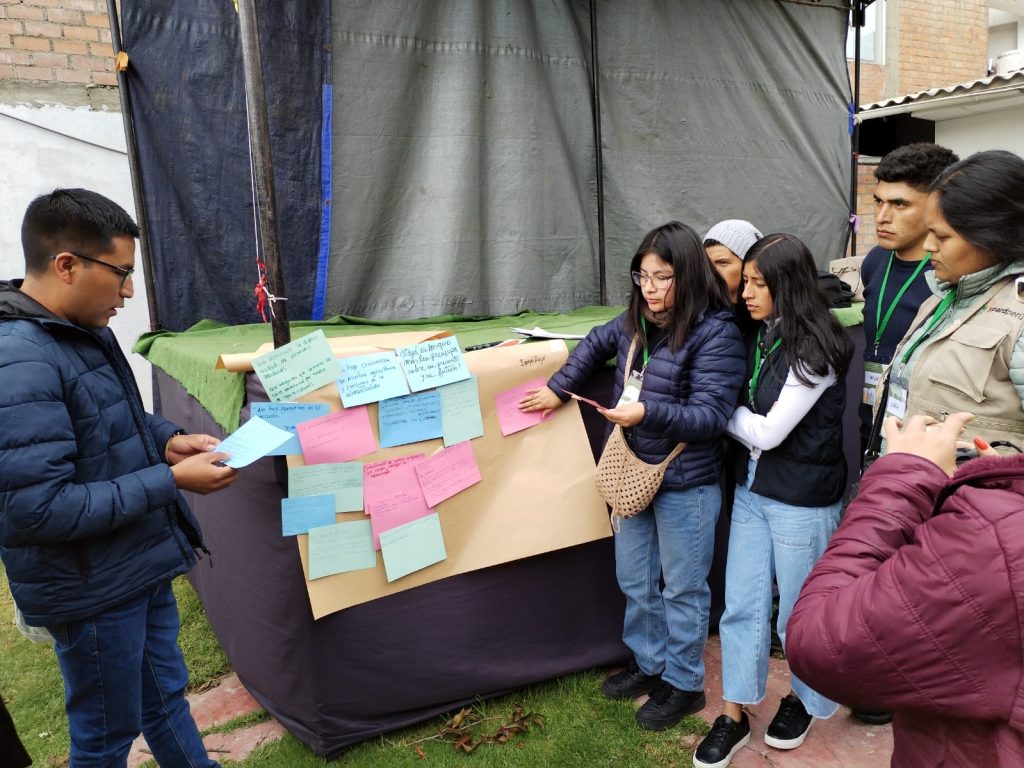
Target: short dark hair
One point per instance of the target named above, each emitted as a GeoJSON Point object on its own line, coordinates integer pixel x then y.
{"type": "Point", "coordinates": [915, 164]}
{"type": "Point", "coordinates": [982, 198]}
{"type": "Point", "coordinates": [70, 220]}
{"type": "Point", "coordinates": [697, 288]}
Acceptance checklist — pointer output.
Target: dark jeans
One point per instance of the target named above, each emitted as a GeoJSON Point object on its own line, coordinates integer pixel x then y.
{"type": "Point", "coordinates": [124, 673]}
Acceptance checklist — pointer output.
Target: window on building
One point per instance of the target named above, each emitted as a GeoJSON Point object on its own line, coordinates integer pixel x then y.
{"type": "Point", "coordinates": [870, 34]}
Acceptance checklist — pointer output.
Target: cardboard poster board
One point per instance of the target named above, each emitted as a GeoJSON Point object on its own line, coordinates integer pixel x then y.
{"type": "Point", "coordinates": [536, 494]}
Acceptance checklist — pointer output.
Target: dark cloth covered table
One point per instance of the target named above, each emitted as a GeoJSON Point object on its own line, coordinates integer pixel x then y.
{"type": "Point", "coordinates": [400, 659]}
{"type": "Point", "coordinates": [393, 661]}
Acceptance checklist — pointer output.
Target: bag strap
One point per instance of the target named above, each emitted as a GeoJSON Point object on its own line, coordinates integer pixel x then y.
{"type": "Point", "coordinates": [874, 446]}
{"type": "Point", "coordinates": [625, 377]}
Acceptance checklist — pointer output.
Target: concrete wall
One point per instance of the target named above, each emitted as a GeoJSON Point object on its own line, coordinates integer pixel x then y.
{"type": "Point", "coordinates": [993, 130]}
{"type": "Point", "coordinates": [65, 146]}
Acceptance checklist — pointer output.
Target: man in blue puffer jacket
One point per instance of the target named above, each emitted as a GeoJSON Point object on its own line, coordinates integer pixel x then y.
{"type": "Point", "coordinates": [92, 524]}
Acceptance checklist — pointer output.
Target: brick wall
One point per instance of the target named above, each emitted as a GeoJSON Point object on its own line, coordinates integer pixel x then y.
{"type": "Point", "coordinates": [55, 42]}
{"type": "Point", "coordinates": [941, 42]}
{"type": "Point", "coordinates": [866, 207]}
{"type": "Point", "coordinates": [928, 44]}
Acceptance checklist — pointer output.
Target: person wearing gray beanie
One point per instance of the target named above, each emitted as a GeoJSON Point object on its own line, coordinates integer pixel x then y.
{"type": "Point", "coordinates": [727, 244]}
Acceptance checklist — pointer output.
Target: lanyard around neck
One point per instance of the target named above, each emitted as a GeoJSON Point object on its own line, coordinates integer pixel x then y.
{"type": "Point", "coordinates": [881, 323]}
{"type": "Point", "coordinates": [649, 352]}
{"type": "Point", "coordinates": [759, 364]}
{"type": "Point", "coordinates": [940, 310]}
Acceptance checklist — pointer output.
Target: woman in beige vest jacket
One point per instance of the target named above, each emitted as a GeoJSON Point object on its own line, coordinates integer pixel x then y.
{"type": "Point", "coordinates": [965, 349]}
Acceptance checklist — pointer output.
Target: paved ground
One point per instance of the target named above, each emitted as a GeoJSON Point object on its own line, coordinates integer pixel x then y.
{"type": "Point", "coordinates": [840, 742]}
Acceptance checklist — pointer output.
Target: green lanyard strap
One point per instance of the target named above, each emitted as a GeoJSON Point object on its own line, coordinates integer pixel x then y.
{"type": "Point", "coordinates": [759, 364]}
{"type": "Point", "coordinates": [881, 323]}
{"type": "Point", "coordinates": [940, 310]}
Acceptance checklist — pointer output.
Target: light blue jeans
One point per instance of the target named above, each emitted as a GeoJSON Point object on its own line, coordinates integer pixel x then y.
{"type": "Point", "coordinates": [666, 629]}
{"type": "Point", "coordinates": [767, 539]}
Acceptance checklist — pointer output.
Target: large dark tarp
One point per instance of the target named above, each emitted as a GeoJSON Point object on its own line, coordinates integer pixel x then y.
{"type": "Point", "coordinates": [464, 155]}
{"type": "Point", "coordinates": [188, 104]}
{"type": "Point", "coordinates": [459, 164]}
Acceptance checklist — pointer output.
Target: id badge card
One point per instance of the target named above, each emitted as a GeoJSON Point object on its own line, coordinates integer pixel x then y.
{"type": "Point", "coordinates": [896, 405]}
{"type": "Point", "coordinates": [631, 392]}
{"type": "Point", "coordinates": [872, 376]}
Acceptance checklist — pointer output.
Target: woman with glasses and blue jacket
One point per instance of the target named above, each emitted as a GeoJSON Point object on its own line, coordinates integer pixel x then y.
{"type": "Point", "coordinates": [681, 387]}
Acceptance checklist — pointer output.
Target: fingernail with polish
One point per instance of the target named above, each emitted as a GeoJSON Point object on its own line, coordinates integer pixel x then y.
{"type": "Point", "coordinates": [980, 444]}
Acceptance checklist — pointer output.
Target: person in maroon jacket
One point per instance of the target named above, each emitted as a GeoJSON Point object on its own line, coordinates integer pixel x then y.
{"type": "Point", "coordinates": [916, 604]}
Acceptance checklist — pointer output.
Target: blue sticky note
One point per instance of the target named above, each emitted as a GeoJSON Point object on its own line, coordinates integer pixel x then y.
{"type": "Point", "coordinates": [285, 416]}
{"type": "Point", "coordinates": [460, 411]}
{"type": "Point", "coordinates": [300, 514]}
{"type": "Point", "coordinates": [409, 419]}
{"type": "Point", "coordinates": [412, 547]}
{"type": "Point", "coordinates": [340, 548]}
{"type": "Point", "coordinates": [370, 378]}
{"type": "Point", "coordinates": [253, 440]}
{"type": "Point", "coordinates": [433, 363]}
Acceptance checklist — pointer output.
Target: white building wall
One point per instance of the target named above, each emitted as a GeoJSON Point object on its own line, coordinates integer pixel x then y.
{"type": "Point", "coordinates": [992, 130]}
{"type": "Point", "coordinates": [45, 147]}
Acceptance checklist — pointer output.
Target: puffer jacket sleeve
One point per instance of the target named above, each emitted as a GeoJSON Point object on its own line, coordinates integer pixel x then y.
{"type": "Point", "coordinates": [597, 348]}
{"type": "Point", "coordinates": [161, 429]}
{"type": "Point", "coordinates": [905, 611]}
{"type": "Point", "coordinates": [42, 502]}
{"type": "Point", "coordinates": [718, 368]}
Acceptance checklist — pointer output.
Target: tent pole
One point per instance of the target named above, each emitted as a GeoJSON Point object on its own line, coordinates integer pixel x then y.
{"type": "Point", "coordinates": [858, 23]}
{"type": "Point", "coordinates": [133, 170]}
{"type": "Point", "coordinates": [263, 170]}
{"type": "Point", "coordinates": [595, 89]}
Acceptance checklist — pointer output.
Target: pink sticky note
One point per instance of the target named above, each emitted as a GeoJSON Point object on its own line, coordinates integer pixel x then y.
{"type": "Point", "coordinates": [510, 417]}
{"type": "Point", "coordinates": [340, 436]}
{"type": "Point", "coordinates": [382, 479]}
{"type": "Point", "coordinates": [447, 472]}
{"type": "Point", "coordinates": [583, 399]}
{"type": "Point", "coordinates": [395, 510]}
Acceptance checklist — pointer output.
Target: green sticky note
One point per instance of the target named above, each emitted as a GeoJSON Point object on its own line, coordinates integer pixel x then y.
{"type": "Point", "coordinates": [460, 411]}
{"type": "Point", "coordinates": [344, 481]}
{"type": "Point", "coordinates": [340, 548]}
{"type": "Point", "coordinates": [412, 547]}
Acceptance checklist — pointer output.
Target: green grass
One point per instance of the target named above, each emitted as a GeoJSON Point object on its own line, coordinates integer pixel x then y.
{"type": "Point", "coordinates": [580, 727]}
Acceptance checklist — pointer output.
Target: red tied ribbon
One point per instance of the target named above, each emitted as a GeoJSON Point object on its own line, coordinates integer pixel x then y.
{"type": "Point", "coordinates": [261, 290]}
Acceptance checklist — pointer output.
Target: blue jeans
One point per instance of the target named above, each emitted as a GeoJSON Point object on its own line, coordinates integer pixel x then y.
{"type": "Point", "coordinates": [124, 673]}
{"type": "Point", "coordinates": [675, 538]}
{"type": "Point", "coordinates": [767, 539]}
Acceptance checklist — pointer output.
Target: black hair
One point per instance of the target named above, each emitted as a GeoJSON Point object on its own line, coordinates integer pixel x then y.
{"type": "Point", "coordinates": [71, 220]}
{"type": "Point", "coordinates": [915, 164]}
{"type": "Point", "coordinates": [697, 288]}
{"type": "Point", "coordinates": [982, 198]}
{"type": "Point", "coordinates": [812, 338]}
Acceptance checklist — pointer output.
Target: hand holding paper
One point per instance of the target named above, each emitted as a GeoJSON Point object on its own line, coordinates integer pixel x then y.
{"type": "Point", "coordinates": [253, 440]}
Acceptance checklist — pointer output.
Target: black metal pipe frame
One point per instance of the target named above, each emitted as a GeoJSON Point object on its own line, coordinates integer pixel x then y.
{"type": "Point", "coordinates": [857, 20]}
{"type": "Point", "coordinates": [595, 90]}
{"type": "Point", "coordinates": [133, 169]}
{"type": "Point", "coordinates": [263, 168]}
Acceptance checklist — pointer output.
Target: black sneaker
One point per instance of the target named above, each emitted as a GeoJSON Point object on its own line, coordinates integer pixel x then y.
{"type": "Point", "coordinates": [667, 706]}
{"type": "Point", "coordinates": [629, 683]}
{"type": "Point", "coordinates": [872, 716]}
{"type": "Point", "coordinates": [789, 727]}
{"type": "Point", "coordinates": [726, 738]}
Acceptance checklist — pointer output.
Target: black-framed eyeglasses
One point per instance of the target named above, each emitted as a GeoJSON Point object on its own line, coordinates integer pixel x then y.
{"type": "Point", "coordinates": [124, 272]}
{"type": "Point", "coordinates": [658, 281]}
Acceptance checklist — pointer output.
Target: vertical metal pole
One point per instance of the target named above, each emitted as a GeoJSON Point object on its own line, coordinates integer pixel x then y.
{"type": "Point", "coordinates": [133, 169]}
{"type": "Point", "coordinates": [858, 23]}
{"type": "Point", "coordinates": [259, 135]}
{"type": "Point", "coordinates": [595, 89]}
